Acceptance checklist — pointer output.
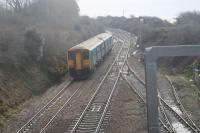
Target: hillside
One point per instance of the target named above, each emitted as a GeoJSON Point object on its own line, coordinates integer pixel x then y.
{"type": "Point", "coordinates": [34, 38]}
{"type": "Point", "coordinates": [154, 31]}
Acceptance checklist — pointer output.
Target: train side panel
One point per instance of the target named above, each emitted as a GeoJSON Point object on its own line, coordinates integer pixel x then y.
{"type": "Point", "coordinates": [110, 43]}
{"type": "Point", "coordinates": [92, 59]}
{"type": "Point", "coordinates": [98, 53]}
{"type": "Point", "coordinates": [107, 46]}
{"type": "Point", "coordinates": [102, 50]}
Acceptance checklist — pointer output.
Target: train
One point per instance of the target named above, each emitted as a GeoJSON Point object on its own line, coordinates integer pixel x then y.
{"type": "Point", "coordinates": [83, 58]}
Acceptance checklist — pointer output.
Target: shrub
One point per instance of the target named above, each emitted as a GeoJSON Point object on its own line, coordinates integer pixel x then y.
{"type": "Point", "coordinates": [34, 43]}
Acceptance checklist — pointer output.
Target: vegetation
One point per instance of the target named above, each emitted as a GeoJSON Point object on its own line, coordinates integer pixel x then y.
{"type": "Point", "coordinates": [157, 32]}
{"type": "Point", "coordinates": [35, 35]}
{"type": "Point", "coordinates": [40, 31]}
{"type": "Point", "coordinates": [34, 38]}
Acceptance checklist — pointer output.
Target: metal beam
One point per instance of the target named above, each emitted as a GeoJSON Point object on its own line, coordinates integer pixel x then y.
{"type": "Point", "coordinates": [151, 56]}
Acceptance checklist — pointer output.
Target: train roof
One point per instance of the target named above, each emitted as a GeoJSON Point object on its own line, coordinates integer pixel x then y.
{"type": "Point", "coordinates": [92, 42]}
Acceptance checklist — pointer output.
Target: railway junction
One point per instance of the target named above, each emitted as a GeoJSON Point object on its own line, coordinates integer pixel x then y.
{"type": "Point", "coordinates": [112, 99]}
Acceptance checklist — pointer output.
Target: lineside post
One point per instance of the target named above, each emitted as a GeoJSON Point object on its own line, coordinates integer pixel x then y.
{"type": "Point", "coordinates": [151, 92]}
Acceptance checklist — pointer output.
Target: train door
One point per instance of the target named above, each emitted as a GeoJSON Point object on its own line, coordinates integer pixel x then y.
{"type": "Point", "coordinates": [107, 46]}
{"type": "Point", "coordinates": [86, 59]}
{"type": "Point", "coordinates": [102, 50]}
{"type": "Point", "coordinates": [95, 56]}
{"type": "Point", "coordinates": [78, 61]}
{"type": "Point", "coordinates": [98, 53]}
{"type": "Point", "coordinates": [111, 42]}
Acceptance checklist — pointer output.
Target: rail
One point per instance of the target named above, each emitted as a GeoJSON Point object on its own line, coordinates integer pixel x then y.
{"type": "Point", "coordinates": [112, 77]}
{"type": "Point", "coordinates": [30, 121]}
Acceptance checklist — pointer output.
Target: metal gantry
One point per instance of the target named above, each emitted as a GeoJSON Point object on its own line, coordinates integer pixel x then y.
{"type": "Point", "coordinates": [151, 56]}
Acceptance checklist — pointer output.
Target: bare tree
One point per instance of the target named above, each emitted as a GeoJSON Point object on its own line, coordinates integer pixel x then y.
{"type": "Point", "coordinates": [18, 5]}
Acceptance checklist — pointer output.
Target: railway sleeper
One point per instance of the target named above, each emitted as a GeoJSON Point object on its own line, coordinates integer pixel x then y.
{"type": "Point", "coordinates": [91, 123]}
{"type": "Point", "coordinates": [88, 126]}
{"type": "Point", "coordinates": [90, 120]}
{"type": "Point", "coordinates": [93, 114]}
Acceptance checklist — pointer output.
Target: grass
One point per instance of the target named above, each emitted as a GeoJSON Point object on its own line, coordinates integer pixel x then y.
{"type": "Point", "coordinates": [186, 81]}
{"type": "Point", "coordinates": [188, 93]}
{"type": "Point", "coordinates": [188, 72]}
{"type": "Point", "coordinates": [7, 114]}
{"type": "Point", "coordinates": [18, 85]}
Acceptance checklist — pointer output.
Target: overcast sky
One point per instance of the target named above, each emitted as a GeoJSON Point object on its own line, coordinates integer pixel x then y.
{"type": "Point", "coordinates": [166, 9]}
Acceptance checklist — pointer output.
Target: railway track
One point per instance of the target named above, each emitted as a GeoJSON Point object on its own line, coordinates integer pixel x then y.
{"type": "Point", "coordinates": [92, 119]}
{"type": "Point", "coordinates": [39, 123]}
{"type": "Point", "coordinates": [96, 115]}
{"type": "Point", "coordinates": [62, 107]}
{"type": "Point", "coordinates": [187, 122]}
{"type": "Point", "coordinates": [140, 91]}
{"type": "Point", "coordinates": [181, 121]}
{"type": "Point", "coordinates": [181, 107]}
{"type": "Point", "coordinates": [27, 126]}
{"type": "Point", "coordinates": [61, 112]}
{"type": "Point", "coordinates": [141, 95]}
{"type": "Point", "coordinates": [167, 107]}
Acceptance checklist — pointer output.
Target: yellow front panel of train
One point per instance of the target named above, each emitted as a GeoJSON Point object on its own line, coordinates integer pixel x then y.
{"type": "Point", "coordinates": [70, 63]}
{"type": "Point", "coordinates": [78, 61]}
{"type": "Point", "coordinates": [86, 62]}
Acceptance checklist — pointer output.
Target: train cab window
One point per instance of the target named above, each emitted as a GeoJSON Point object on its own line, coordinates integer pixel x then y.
{"type": "Point", "coordinates": [71, 55]}
{"type": "Point", "coordinates": [85, 55]}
